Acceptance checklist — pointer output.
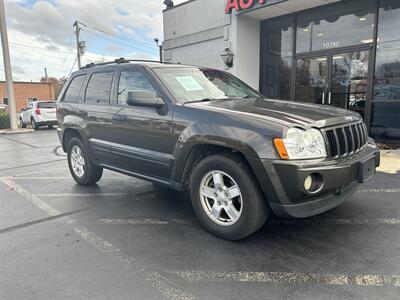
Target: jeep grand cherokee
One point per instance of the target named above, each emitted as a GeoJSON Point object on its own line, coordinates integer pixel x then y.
{"type": "Point", "coordinates": [203, 130]}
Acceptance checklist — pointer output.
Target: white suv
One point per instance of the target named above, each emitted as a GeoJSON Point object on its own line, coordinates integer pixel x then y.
{"type": "Point", "coordinates": [39, 113]}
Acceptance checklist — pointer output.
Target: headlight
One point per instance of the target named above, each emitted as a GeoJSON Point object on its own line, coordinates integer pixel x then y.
{"type": "Point", "coordinates": [300, 144]}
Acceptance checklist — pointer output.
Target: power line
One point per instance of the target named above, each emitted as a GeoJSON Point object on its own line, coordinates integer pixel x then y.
{"type": "Point", "coordinates": [73, 66]}
{"type": "Point", "coordinates": [133, 41]}
{"type": "Point", "coordinates": [41, 48]}
{"type": "Point", "coordinates": [137, 47]}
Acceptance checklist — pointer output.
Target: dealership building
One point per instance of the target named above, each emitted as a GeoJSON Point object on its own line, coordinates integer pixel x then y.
{"type": "Point", "coordinates": [343, 53]}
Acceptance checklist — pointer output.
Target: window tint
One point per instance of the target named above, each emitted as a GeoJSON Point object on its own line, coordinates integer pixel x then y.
{"type": "Point", "coordinates": [277, 40]}
{"type": "Point", "coordinates": [387, 70]}
{"type": "Point", "coordinates": [99, 88]}
{"type": "Point", "coordinates": [72, 93]}
{"type": "Point", "coordinates": [130, 81]}
{"type": "Point", "coordinates": [46, 105]}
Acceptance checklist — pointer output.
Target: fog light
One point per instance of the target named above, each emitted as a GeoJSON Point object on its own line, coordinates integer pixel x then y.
{"type": "Point", "coordinates": [308, 183]}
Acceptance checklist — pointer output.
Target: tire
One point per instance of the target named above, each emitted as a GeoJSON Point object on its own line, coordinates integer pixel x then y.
{"type": "Point", "coordinates": [21, 123]}
{"type": "Point", "coordinates": [82, 169]}
{"type": "Point", "coordinates": [34, 124]}
{"type": "Point", "coordinates": [251, 209]}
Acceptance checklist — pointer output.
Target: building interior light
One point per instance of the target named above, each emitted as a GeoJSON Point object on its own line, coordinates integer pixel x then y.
{"type": "Point", "coordinates": [321, 59]}
{"type": "Point", "coordinates": [338, 57]}
{"type": "Point", "coordinates": [363, 19]}
{"type": "Point", "coordinates": [320, 34]}
{"type": "Point", "coordinates": [367, 41]}
{"type": "Point", "coordinates": [305, 29]}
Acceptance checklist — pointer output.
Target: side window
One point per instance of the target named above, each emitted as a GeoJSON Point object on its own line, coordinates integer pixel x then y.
{"type": "Point", "coordinates": [131, 81]}
{"type": "Point", "coordinates": [99, 88]}
{"type": "Point", "coordinates": [72, 93]}
{"type": "Point", "coordinates": [30, 105]}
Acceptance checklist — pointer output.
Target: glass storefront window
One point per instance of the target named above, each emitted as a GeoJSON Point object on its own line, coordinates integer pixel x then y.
{"type": "Point", "coordinates": [277, 58]}
{"type": "Point", "coordinates": [386, 98]}
{"type": "Point", "coordinates": [348, 24]}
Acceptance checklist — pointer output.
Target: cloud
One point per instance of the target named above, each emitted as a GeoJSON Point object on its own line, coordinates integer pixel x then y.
{"type": "Point", "coordinates": [41, 33]}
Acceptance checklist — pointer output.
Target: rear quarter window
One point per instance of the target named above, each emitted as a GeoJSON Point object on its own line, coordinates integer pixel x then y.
{"type": "Point", "coordinates": [72, 93]}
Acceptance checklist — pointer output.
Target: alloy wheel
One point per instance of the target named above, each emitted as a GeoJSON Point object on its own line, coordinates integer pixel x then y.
{"type": "Point", "coordinates": [221, 198]}
{"type": "Point", "coordinates": [77, 161]}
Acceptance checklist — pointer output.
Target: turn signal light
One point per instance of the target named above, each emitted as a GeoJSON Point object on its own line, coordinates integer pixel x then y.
{"type": "Point", "coordinates": [280, 147]}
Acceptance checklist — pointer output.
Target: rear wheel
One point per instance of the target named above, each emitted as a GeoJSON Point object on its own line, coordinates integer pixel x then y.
{"type": "Point", "coordinates": [34, 124]}
{"type": "Point", "coordinates": [226, 197]}
{"type": "Point", "coordinates": [82, 169]}
{"type": "Point", "coordinates": [21, 123]}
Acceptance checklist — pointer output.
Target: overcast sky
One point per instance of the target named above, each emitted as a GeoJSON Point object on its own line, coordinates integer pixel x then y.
{"type": "Point", "coordinates": [40, 33]}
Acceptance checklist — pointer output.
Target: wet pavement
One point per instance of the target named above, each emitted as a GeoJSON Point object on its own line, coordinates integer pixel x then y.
{"type": "Point", "coordinates": [129, 239]}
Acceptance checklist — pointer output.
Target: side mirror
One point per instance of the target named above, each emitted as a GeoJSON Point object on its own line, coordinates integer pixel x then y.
{"type": "Point", "coordinates": [144, 99]}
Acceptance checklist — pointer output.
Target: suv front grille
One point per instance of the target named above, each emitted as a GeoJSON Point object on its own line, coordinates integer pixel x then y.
{"type": "Point", "coordinates": [346, 140]}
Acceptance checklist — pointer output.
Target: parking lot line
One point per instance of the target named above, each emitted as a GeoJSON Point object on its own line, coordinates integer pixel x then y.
{"type": "Point", "coordinates": [85, 195]}
{"type": "Point", "coordinates": [164, 285]}
{"type": "Point", "coordinates": [289, 277]}
{"type": "Point", "coordinates": [380, 190]}
{"type": "Point", "coordinates": [330, 221]}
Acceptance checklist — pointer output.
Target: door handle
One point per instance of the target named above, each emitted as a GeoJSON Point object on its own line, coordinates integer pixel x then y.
{"type": "Point", "coordinates": [323, 98]}
{"type": "Point", "coordinates": [119, 118]}
{"type": "Point", "coordinates": [330, 98]}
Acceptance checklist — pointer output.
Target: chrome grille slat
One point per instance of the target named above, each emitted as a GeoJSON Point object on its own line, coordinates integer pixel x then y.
{"type": "Point", "coordinates": [346, 140]}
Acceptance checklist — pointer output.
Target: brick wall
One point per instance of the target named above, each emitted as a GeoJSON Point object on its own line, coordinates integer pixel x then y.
{"type": "Point", "coordinates": [25, 90]}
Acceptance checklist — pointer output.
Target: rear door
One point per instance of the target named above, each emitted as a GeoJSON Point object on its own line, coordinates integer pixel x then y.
{"type": "Point", "coordinates": [142, 137]}
{"type": "Point", "coordinates": [95, 111]}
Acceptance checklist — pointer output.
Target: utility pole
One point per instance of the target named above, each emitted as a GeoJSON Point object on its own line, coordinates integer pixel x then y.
{"type": "Point", "coordinates": [7, 67]}
{"type": "Point", "coordinates": [78, 47]}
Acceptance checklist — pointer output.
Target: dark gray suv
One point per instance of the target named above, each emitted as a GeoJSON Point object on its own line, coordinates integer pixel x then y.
{"type": "Point", "coordinates": [203, 130]}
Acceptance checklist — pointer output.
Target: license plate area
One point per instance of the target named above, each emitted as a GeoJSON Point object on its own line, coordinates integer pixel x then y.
{"type": "Point", "coordinates": [366, 169]}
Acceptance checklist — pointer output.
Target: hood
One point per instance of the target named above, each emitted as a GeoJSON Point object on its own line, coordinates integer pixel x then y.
{"type": "Point", "coordinates": [288, 113]}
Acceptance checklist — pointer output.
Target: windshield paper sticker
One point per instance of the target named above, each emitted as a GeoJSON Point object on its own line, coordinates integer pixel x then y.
{"type": "Point", "coordinates": [189, 83]}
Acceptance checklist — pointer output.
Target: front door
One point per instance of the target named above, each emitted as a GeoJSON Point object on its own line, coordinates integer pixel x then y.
{"type": "Point", "coordinates": [142, 137]}
{"type": "Point", "coordinates": [336, 78]}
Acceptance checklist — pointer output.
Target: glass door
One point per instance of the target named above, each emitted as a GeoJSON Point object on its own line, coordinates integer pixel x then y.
{"type": "Point", "coordinates": [311, 79]}
{"type": "Point", "coordinates": [348, 80]}
{"type": "Point", "coordinates": [338, 78]}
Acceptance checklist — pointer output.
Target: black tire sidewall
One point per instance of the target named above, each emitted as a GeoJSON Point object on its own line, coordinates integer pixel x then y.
{"type": "Point", "coordinates": [254, 207]}
{"type": "Point", "coordinates": [91, 174]}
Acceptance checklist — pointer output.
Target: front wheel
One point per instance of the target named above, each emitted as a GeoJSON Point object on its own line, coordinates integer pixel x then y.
{"type": "Point", "coordinates": [21, 123]}
{"type": "Point", "coordinates": [226, 197]}
{"type": "Point", "coordinates": [82, 169]}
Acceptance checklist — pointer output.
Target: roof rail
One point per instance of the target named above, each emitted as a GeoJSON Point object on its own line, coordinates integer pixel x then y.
{"type": "Point", "coordinates": [120, 60]}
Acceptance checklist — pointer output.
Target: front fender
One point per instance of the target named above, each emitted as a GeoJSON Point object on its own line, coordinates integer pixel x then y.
{"type": "Point", "coordinates": [249, 143]}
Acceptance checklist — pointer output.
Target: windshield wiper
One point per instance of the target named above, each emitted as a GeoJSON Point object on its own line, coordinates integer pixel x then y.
{"type": "Point", "coordinates": [201, 100]}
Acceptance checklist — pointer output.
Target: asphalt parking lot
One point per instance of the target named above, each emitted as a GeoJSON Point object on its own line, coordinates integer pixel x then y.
{"type": "Point", "coordinates": [129, 239]}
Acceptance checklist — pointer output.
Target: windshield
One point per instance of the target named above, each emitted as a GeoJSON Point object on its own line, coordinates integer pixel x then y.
{"type": "Point", "coordinates": [193, 84]}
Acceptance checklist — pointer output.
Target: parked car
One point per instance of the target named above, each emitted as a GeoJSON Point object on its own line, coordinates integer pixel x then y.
{"type": "Point", "coordinates": [203, 130]}
{"type": "Point", "coordinates": [39, 113]}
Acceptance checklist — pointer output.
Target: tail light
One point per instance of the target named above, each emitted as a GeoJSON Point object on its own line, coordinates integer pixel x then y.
{"type": "Point", "coordinates": [37, 111]}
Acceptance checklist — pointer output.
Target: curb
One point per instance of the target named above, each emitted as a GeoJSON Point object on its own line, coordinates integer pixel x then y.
{"type": "Point", "coordinates": [16, 131]}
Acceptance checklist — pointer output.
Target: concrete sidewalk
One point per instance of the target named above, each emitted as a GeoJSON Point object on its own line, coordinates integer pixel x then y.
{"type": "Point", "coordinates": [390, 161]}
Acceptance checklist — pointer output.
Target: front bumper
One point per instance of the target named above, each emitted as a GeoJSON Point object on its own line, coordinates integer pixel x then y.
{"type": "Point", "coordinates": [283, 183]}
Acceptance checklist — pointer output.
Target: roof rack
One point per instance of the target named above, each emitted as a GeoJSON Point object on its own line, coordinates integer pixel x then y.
{"type": "Point", "coordinates": [121, 61]}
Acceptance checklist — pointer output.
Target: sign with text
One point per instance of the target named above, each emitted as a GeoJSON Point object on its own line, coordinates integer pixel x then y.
{"type": "Point", "coordinates": [240, 5]}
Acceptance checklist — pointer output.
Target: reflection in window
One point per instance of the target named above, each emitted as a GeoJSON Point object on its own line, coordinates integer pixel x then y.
{"type": "Point", "coordinates": [346, 25]}
{"type": "Point", "coordinates": [99, 88]}
{"type": "Point", "coordinates": [132, 81]}
{"type": "Point", "coordinates": [277, 58]}
{"type": "Point", "coordinates": [386, 102]}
